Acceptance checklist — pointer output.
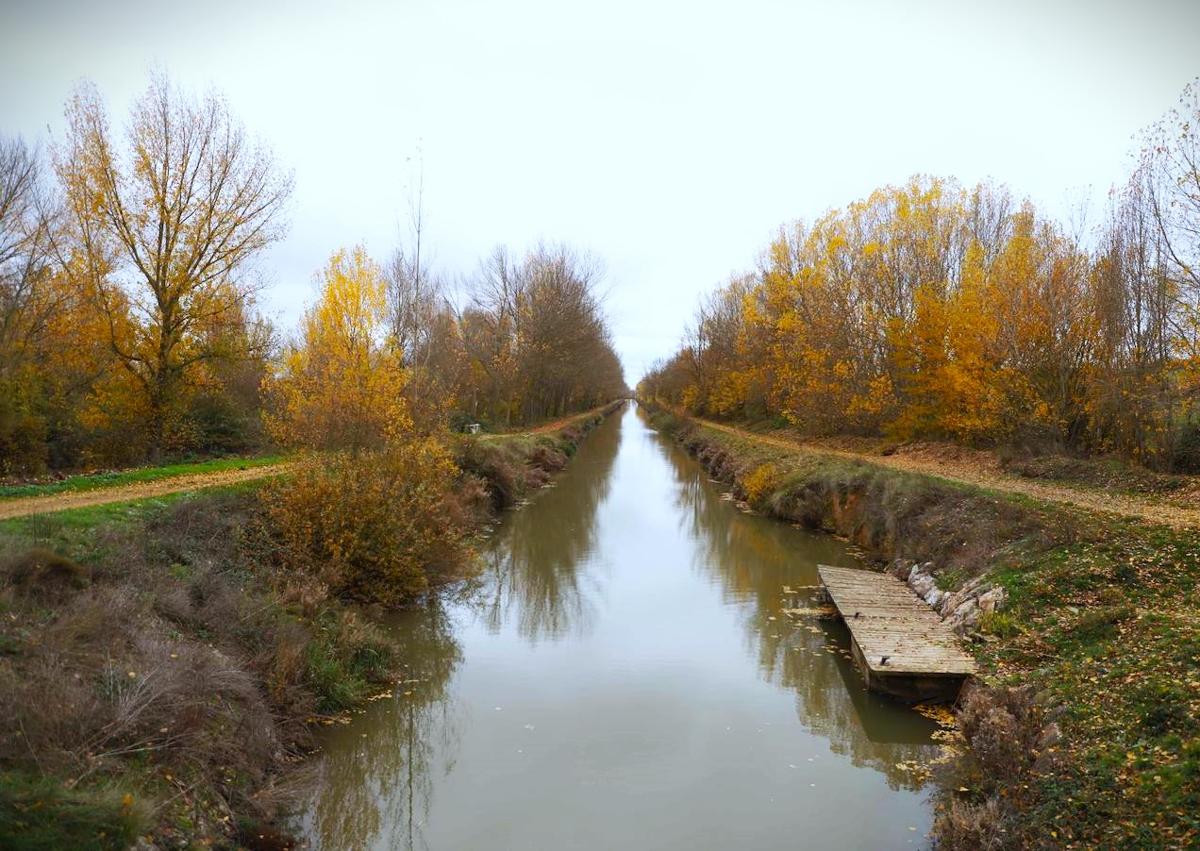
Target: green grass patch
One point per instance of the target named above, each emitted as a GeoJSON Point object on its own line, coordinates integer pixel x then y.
{"type": "Point", "coordinates": [62, 527]}
{"type": "Point", "coordinates": [1000, 624]}
{"type": "Point", "coordinates": [138, 475]}
{"type": "Point", "coordinates": [38, 814]}
{"type": "Point", "coordinates": [343, 663]}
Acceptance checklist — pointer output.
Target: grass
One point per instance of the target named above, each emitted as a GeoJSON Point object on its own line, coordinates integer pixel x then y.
{"type": "Point", "coordinates": [513, 465]}
{"type": "Point", "coordinates": [1100, 633]}
{"type": "Point", "coordinates": [63, 527]}
{"type": "Point", "coordinates": [94, 481]}
{"type": "Point", "coordinates": [1112, 638]}
{"type": "Point", "coordinates": [39, 814]}
{"type": "Point", "coordinates": [180, 671]}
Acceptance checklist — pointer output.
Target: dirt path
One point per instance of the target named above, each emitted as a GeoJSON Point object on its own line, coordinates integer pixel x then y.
{"type": "Point", "coordinates": [973, 471]}
{"type": "Point", "coordinates": [547, 428]}
{"type": "Point", "coordinates": [25, 506]}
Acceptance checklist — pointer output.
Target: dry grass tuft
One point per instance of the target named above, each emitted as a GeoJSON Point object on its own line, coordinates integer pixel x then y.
{"type": "Point", "coordinates": [43, 574]}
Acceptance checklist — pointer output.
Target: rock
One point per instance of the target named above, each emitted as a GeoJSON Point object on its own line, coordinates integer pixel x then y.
{"type": "Point", "coordinates": [921, 582]}
{"type": "Point", "coordinates": [972, 589]}
{"type": "Point", "coordinates": [993, 600]}
{"type": "Point", "coordinates": [933, 597]}
{"type": "Point", "coordinates": [965, 616]}
{"type": "Point", "coordinates": [901, 568]}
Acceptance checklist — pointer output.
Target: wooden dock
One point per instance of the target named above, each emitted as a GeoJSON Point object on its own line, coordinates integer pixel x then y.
{"type": "Point", "coordinates": [899, 643]}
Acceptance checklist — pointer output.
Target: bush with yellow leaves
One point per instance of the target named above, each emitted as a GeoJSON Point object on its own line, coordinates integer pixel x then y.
{"type": "Point", "coordinates": [376, 526]}
{"type": "Point", "coordinates": [759, 482]}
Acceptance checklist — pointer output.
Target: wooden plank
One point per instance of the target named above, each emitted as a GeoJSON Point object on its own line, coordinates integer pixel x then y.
{"type": "Point", "coordinates": [896, 632]}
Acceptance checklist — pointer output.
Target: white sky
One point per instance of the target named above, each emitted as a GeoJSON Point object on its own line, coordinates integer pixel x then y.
{"type": "Point", "coordinates": [671, 139]}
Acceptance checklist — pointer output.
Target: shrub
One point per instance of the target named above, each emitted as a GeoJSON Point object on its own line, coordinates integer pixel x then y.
{"type": "Point", "coordinates": [186, 639]}
{"type": "Point", "coordinates": [1185, 452]}
{"type": "Point", "coordinates": [548, 458]}
{"type": "Point", "coordinates": [43, 574]}
{"type": "Point", "coordinates": [1001, 624]}
{"type": "Point", "coordinates": [760, 482]}
{"type": "Point", "coordinates": [22, 432]}
{"type": "Point", "coordinates": [1100, 621]}
{"type": "Point", "coordinates": [496, 464]}
{"type": "Point", "coordinates": [965, 826]}
{"type": "Point", "coordinates": [1002, 726]}
{"type": "Point", "coordinates": [373, 526]}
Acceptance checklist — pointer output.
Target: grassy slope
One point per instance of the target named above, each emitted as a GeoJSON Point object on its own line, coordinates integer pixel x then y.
{"type": "Point", "coordinates": [1101, 625]}
{"type": "Point", "coordinates": [511, 465]}
{"type": "Point", "coordinates": [169, 679]}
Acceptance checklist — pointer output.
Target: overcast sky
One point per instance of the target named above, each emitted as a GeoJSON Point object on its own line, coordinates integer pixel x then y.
{"type": "Point", "coordinates": [670, 139]}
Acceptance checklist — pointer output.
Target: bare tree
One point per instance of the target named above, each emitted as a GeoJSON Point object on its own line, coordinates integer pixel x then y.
{"type": "Point", "coordinates": [415, 298]}
{"type": "Point", "coordinates": [416, 295]}
{"type": "Point", "coordinates": [1171, 162]}
{"type": "Point", "coordinates": [536, 330]}
{"type": "Point", "coordinates": [26, 232]}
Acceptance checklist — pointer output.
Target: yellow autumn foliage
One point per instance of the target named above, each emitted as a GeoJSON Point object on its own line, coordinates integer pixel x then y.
{"type": "Point", "coordinates": [369, 508]}
{"type": "Point", "coordinates": [342, 385]}
{"type": "Point", "coordinates": [760, 482]}
{"type": "Point", "coordinates": [931, 311]}
{"type": "Point", "coordinates": [373, 526]}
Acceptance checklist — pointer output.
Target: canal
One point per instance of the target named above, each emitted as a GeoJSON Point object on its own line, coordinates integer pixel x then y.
{"type": "Point", "coordinates": [622, 674]}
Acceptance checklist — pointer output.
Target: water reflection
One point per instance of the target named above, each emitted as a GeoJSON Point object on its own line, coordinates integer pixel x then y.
{"type": "Point", "coordinates": [753, 559]}
{"type": "Point", "coordinates": [622, 675]}
{"type": "Point", "coordinates": [376, 788]}
{"type": "Point", "coordinates": [535, 562]}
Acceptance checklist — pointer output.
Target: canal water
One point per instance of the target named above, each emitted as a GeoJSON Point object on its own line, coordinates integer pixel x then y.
{"type": "Point", "coordinates": [622, 675]}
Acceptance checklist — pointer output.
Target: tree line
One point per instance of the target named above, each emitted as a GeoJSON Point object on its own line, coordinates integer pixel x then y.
{"type": "Point", "coordinates": [933, 310]}
{"type": "Point", "coordinates": [129, 320]}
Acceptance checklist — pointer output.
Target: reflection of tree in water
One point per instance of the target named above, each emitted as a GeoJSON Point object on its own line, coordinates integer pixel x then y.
{"type": "Point", "coordinates": [375, 779]}
{"type": "Point", "coordinates": [752, 558]}
{"type": "Point", "coordinates": [533, 563]}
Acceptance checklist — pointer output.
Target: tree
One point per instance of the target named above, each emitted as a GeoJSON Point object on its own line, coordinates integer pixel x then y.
{"type": "Point", "coordinates": [168, 227]}
{"type": "Point", "coordinates": [27, 305]}
{"type": "Point", "coordinates": [26, 232]}
{"type": "Point", "coordinates": [537, 337]}
{"type": "Point", "coordinates": [341, 386]}
{"type": "Point", "coordinates": [1171, 164]}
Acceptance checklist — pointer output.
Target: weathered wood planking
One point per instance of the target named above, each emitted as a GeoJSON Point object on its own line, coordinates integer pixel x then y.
{"type": "Point", "coordinates": [899, 642]}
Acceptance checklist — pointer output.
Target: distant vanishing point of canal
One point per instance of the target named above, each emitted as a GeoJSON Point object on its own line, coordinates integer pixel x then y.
{"type": "Point", "coordinates": [622, 676]}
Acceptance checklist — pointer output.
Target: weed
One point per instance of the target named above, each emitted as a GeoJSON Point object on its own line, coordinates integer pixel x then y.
{"type": "Point", "coordinates": [187, 653]}
{"type": "Point", "coordinates": [999, 624]}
